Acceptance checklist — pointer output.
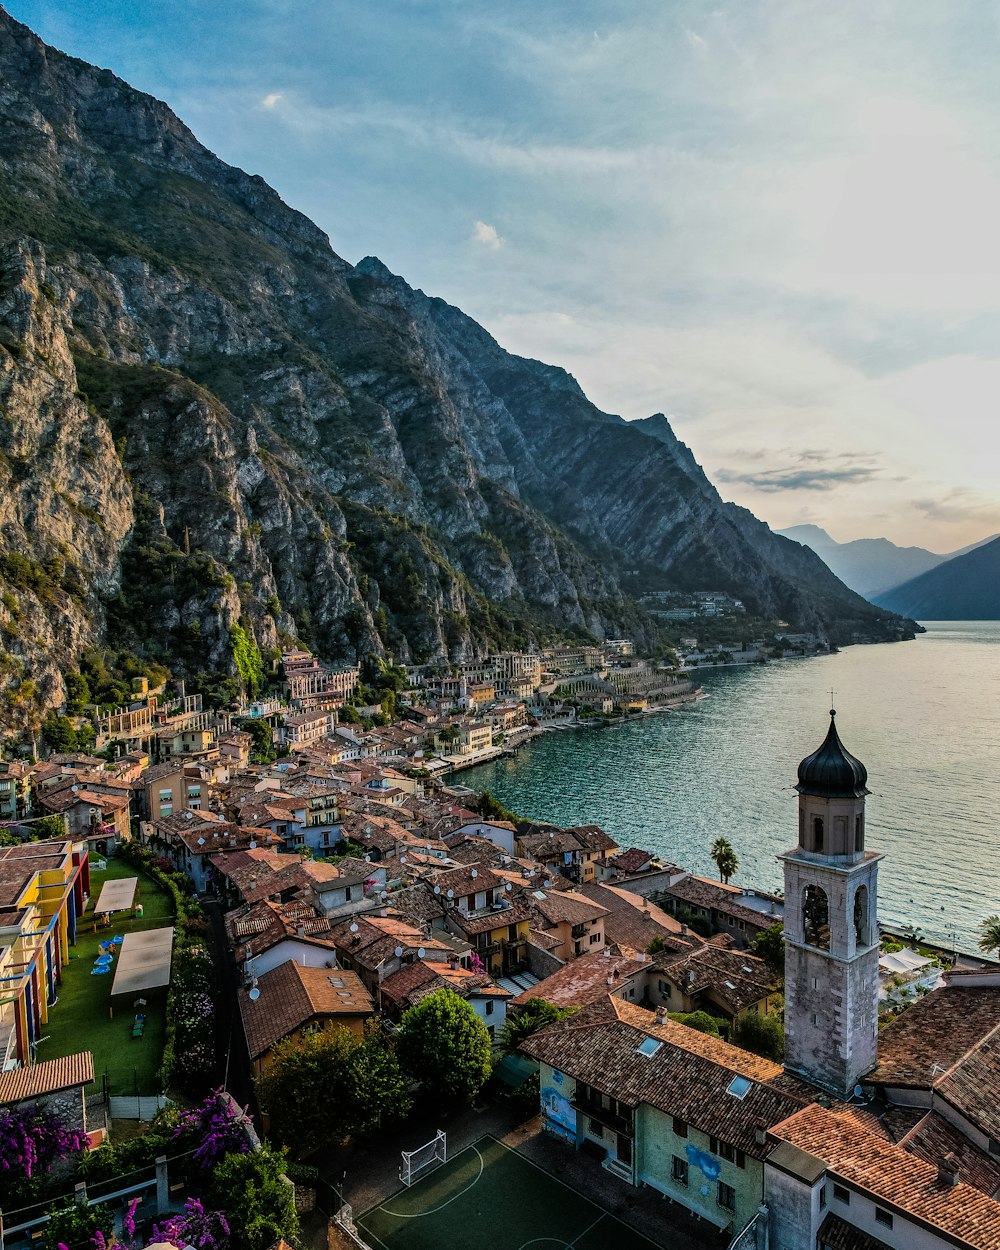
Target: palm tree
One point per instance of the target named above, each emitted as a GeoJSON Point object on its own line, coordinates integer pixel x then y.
{"type": "Point", "coordinates": [989, 934]}
{"type": "Point", "coordinates": [725, 859]}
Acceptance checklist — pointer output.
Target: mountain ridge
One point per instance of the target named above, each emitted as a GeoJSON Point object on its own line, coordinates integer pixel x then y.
{"type": "Point", "coordinates": [313, 451]}
{"type": "Point", "coordinates": [965, 588]}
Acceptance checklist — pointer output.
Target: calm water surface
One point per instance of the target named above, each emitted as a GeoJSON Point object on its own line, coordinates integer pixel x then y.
{"type": "Point", "coordinates": [923, 716]}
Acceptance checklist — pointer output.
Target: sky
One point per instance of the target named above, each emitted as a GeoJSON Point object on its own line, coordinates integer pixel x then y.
{"type": "Point", "coordinates": [776, 221]}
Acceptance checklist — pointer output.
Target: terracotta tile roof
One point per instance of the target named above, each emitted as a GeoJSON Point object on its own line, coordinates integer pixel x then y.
{"type": "Point", "coordinates": [631, 919]}
{"type": "Point", "coordinates": [466, 879]}
{"type": "Point", "coordinates": [714, 896]}
{"type": "Point", "coordinates": [46, 1078]}
{"type": "Point", "coordinates": [583, 980]}
{"type": "Point", "coordinates": [973, 1084]}
{"type": "Point", "coordinates": [519, 910]}
{"type": "Point", "coordinates": [837, 1234]}
{"type": "Point", "coordinates": [934, 1137]}
{"type": "Point", "coordinates": [892, 1176]}
{"type": "Point", "coordinates": [565, 906]}
{"type": "Point", "coordinates": [934, 1034]}
{"type": "Point", "coordinates": [899, 1121]}
{"type": "Point", "coordinates": [631, 860]}
{"type": "Point", "coordinates": [292, 995]}
{"type": "Point", "coordinates": [593, 838]}
{"type": "Point", "coordinates": [737, 977]}
{"type": "Point", "coordinates": [688, 1077]}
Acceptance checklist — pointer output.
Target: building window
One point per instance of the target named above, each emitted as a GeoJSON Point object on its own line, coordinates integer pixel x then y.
{"type": "Point", "coordinates": [489, 1006]}
{"type": "Point", "coordinates": [818, 834]}
{"type": "Point", "coordinates": [166, 809]}
{"type": "Point", "coordinates": [883, 1217]}
{"type": "Point", "coordinates": [596, 1128]}
{"type": "Point", "coordinates": [822, 1197]}
{"type": "Point", "coordinates": [594, 937]}
{"type": "Point", "coordinates": [665, 989]}
{"type": "Point", "coordinates": [841, 1194]}
{"type": "Point", "coordinates": [725, 1151]}
{"type": "Point", "coordinates": [859, 834]}
{"type": "Point", "coordinates": [679, 1170]}
{"type": "Point", "coordinates": [680, 1127]}
{"type": "Point", "coordinates": [727, 1196]}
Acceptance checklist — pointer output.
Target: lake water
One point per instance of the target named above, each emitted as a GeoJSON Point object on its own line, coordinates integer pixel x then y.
{"type": "Point", "coordinates": [922, 716]}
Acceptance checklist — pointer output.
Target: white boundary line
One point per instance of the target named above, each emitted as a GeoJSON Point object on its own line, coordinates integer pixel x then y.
{"type": "Point", "coordinates": [419, 1215]}
{"type": "Point", "coordinates": [567, 1245]}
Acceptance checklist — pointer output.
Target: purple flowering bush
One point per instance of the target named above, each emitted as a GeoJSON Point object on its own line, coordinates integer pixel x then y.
{"type": "Point", "coordinates": [31, 1141]}
{"type": "Point", "coordinates": [208, 1230]}
{"type": "Point", "coordinates": [213, 1129]}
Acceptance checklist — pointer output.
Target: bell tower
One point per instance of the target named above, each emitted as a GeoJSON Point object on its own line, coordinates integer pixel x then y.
{"type": "Point", "coordinates": [831, 925]}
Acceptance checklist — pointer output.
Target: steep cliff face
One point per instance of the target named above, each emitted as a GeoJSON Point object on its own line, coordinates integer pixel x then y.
{"type": "Point", "coordinates": [210, 417]}
{"type": "Point", "coordinates": [65, 502]}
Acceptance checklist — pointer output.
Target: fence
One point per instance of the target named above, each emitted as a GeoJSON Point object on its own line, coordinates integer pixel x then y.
{"type": "Point", "coordinates": [159, 1185]}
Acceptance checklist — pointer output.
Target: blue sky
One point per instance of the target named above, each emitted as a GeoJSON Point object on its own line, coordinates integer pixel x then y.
{"type": "Point", "coordinates": [779, 222]}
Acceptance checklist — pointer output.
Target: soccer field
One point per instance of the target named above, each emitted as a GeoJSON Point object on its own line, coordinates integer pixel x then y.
{"type": "Point", "coordinates": [490, 1196]}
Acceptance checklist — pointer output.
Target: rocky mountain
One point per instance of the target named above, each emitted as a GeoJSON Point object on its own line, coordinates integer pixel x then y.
{"type": "Point", "coordinates": [966, 588]}
{"type": "Point", "coordinates": [867, 565]}
{"type": "Point", "coordinates": [209, 419]}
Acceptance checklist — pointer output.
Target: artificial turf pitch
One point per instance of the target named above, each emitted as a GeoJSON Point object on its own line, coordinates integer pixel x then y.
{"type": "Point", "coordinates": [490, 1196]}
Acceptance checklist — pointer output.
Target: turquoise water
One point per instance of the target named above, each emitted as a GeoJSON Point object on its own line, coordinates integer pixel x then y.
{"type": "Point", "coordinates": [921, 715]}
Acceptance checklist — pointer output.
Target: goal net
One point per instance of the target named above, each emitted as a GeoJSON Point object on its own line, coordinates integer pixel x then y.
{"type": "Point", "coordinates": [416, 1162]}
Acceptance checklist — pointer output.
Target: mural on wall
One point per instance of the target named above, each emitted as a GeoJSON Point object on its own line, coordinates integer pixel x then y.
{"type": "Point", "coordinates": [559, 1112]}
{"type": "Point", "coordinates": [708, 1165]}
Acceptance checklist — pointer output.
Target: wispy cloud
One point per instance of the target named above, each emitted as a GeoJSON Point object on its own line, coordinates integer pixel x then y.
{"type": "Point", "coordinates": [487, 235]}
{"type": "Point", "coordinates": [272, 100]}
{"type": "Point", "coordinates": [798, 479]}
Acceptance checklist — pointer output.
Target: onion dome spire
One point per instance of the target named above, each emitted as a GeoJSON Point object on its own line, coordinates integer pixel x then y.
{"type": "Point", "coordinates": [832, 771]}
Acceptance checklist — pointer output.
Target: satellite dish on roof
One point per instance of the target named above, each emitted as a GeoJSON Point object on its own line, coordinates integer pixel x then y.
{"type": "Point", "coordinates": [437, 889]}
{"type": "Point", "coordinates": [254, 994]}
{"type": "Point", "coordinates": [421, 952]}
{"type": "Point", "coordinates": [451, 893]}
{"type": "Point", "coordinates": [402, 859]}
{"type": "Point", "coordinates": [399, 951]}
{"type": "Point", "coordinates": [475, 872]}
{"type": "Point", "coordinates": [508, 886]}
{"type": "Point", "coordinates": [354, 928]}
{"type": "Point", "coordinates": [201, 841]}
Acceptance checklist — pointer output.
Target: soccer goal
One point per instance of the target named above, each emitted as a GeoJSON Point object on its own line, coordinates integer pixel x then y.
{"type": "Point", "coordinates": [416, 1162]}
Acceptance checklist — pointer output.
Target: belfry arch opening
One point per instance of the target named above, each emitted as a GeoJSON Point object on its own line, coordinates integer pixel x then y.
{"type": "Point", "coordinates": [818, 835]}
{"type": "Point", "coordinates": [862, 929]}
{"type": "Point", "coordinates": [816, 918]}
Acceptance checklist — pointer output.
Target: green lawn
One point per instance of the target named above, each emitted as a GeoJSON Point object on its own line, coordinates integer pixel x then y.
{"type": "Point", "coordinates": [489, 1195]}
{"type": "Point", "coordinates": [80, 1018]}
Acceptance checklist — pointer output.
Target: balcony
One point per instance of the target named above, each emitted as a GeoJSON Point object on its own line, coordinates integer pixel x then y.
{"type": "Point", "coordinates": [610, 1119]}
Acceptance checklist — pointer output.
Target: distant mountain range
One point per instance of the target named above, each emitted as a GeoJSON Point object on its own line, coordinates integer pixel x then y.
{"type": "Point", "coordinates": [217, 435]}
{"type": "Point", "coordinates": [964, 588]}
{"type": "Point", "coordinates": [874, 566]}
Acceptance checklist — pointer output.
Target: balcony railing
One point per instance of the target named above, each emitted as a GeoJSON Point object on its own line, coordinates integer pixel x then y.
{"type": "Point", "coordinates": [611, 1119]}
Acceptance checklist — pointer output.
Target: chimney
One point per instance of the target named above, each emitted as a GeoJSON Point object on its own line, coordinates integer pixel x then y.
{"type": "Point", "coordinates": [948, 1170]}
{"type": "Point", "coordinates": [300, 930]}
{"type": "Point", "coordinates": [661, 1014]}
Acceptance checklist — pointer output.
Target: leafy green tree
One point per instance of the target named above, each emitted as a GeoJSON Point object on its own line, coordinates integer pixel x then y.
{"type": "Point", "coordinates": [655, 946]}
{"type": "Point", "coordinates": [491, 808]}
{"type": "Point", "coordinates": [58, 734]}
{"type": "Point", "coordinates": [701, 1021]}
{"type": "Point", "coordinates": [329, 1086]}
{"type": "Point", "coordinates": [48, 827]}
{"type": "Point", "coordinates": [77, 693]}
{"type": "Point", "coordinates": [534, 1015]}
{"type": "Point", "coordinates": [989, 934]}
{"type": "Point", "coordinates": [764, 1035]}
{"type": "Point", "coordinates": [725, 859]}
{"type": "Point", "coordinates": [444, 1046]}
{"type": "Point", "coordinates": [769, 945]}
{"type": "Point", "coordinates": [248, 661]}
{"type": "Point", "coordinates": [262, 749]}
{"type": "Point", "coordinates": [259, 1204]}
